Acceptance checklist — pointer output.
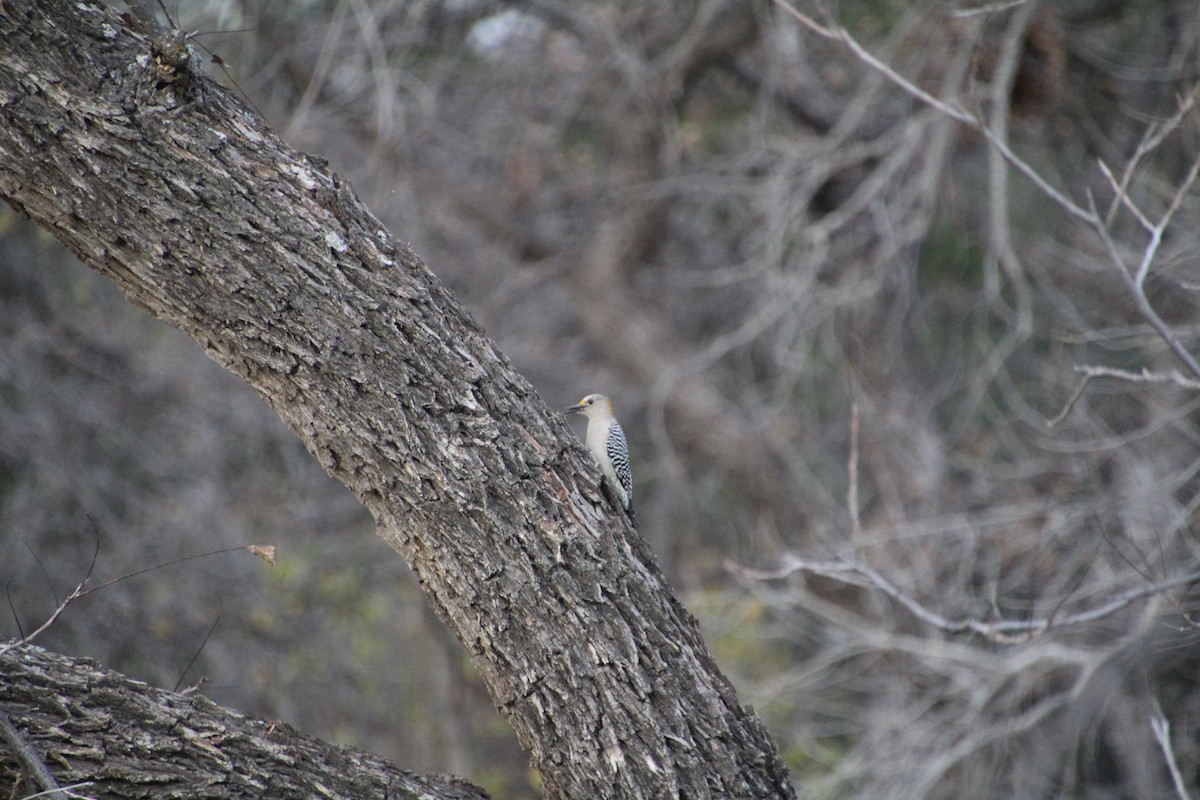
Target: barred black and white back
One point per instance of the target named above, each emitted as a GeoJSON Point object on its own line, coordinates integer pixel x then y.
{"type": "Point", "coordinates": [618, 453]}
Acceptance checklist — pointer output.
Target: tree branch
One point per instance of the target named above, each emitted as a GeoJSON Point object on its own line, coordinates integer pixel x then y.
{"type": "Point", "coordinates": [1005, 631]}
{"type": "Point", "coordinates": [30, 761]}
{"type": "Point", "coordinates": [1145, 376]}
{"type": "Point", "coordinates": [1162, 734]}
{"type": "Point", "coordinates": [1088, 215]}
{"type": "Point", "coordinates": [159, 179]}
{"type": "Point", "coordinates": [135, 740]}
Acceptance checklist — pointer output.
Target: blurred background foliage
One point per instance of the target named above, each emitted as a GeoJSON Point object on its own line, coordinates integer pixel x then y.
{"type": "Point", "coordinates": [740, 232]}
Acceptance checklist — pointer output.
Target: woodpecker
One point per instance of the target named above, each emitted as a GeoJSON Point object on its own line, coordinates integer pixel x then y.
{"type": "Point", "coordinates": [606, 441]}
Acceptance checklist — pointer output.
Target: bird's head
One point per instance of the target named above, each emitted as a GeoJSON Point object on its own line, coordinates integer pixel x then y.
{"type": "Point", "coordinates": [591, 406]}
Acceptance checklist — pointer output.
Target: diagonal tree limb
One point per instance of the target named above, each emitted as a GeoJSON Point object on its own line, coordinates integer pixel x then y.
{"type": "Point", "coordinates": [162, 181]}
{"type": "Point", "coordinates": [30, 761]}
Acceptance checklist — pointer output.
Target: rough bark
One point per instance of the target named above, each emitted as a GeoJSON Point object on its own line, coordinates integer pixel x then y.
{"type": "Point", "coordinates": [125, 739]}
{"type": "Point", "coordinates": [162, 181]}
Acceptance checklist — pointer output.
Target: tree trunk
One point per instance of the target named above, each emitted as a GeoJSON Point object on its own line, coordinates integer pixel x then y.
{"type": "Point", "coordinates": [126, 739]}
{"type": "Point", "coordinates": [159, 179]}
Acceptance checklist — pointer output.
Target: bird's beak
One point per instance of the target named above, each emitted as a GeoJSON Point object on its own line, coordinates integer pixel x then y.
{"type": "Point", "coordinates": [575, 409]}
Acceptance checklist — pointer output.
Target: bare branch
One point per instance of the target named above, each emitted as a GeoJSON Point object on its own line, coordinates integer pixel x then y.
{"type": "Point", "coordinates": [1162, 735]}
{"type": "Point", "coordinates": [1071, 401]}
{"type": "Point", "coordinates": [1121, 197]}
{"type": "Point", "coordinates": [66, 791]}
{"type": "Point", "coordinates": [171, 563]}
{"type": "Point", "coordinates": [81, 589]}
{"type": "Point", "coordinates": [1145, 376]}
{"type": "Point", "coordinates": [852, 473]}
{"type": "Point", "coordinates": [74, 595]}
{"type": "Point", "coordinates": [1088, 215]}
{"type": "Point", "coordinates": [77, 592]}
{"type": "Point", "coordinates": [1156, 233]}
{"type": "Point", "coordinates": [1135, 284]}
{"type": "Point", "coordinates": [1004, 631]}
{"type": "Point", "coordinates": [1153, 137]}
{"type": "Point", "coordinates": [992, 8]}
{"type": "Point", "coordinates": [955, 112]}
{"type": "Point", "coordinates": [196, 655]}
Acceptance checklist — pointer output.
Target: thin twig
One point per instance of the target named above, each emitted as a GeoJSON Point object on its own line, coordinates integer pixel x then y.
{"type": "Point", "coordinates": [1121, 197]}
{"type": "Point", "coordinates": [1071, 401]}
{"type": "Point", "coordinates": [1162, 735]}
{"type": "Point", "coordinates": [852, 472]}
{"type": "Point", "coordinates": [1138, 290]}
{"type": "Point", "coordinates": [1163, 222]}
{"type": "Point", "coordinates": [1154, 136]}
{"type": "Point", "coordinates": [74, 595]}
{"type": "Point", "coordinates": [12, 609]}
{"type": "Point", "coordinates": [993, 8]}
{"type": "Point", "coordinates": [68, 791]}
{"type": "Point", "coordinates": [81, 590]}
{"type": "Point", "coordinates": [77, 592]}
{"type": "Point", "coordinates": [196, 655]}
{"type": "Point", "coordinates": [170, 563]}
{"type": "Point", "coordinates": [1145, 376]}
